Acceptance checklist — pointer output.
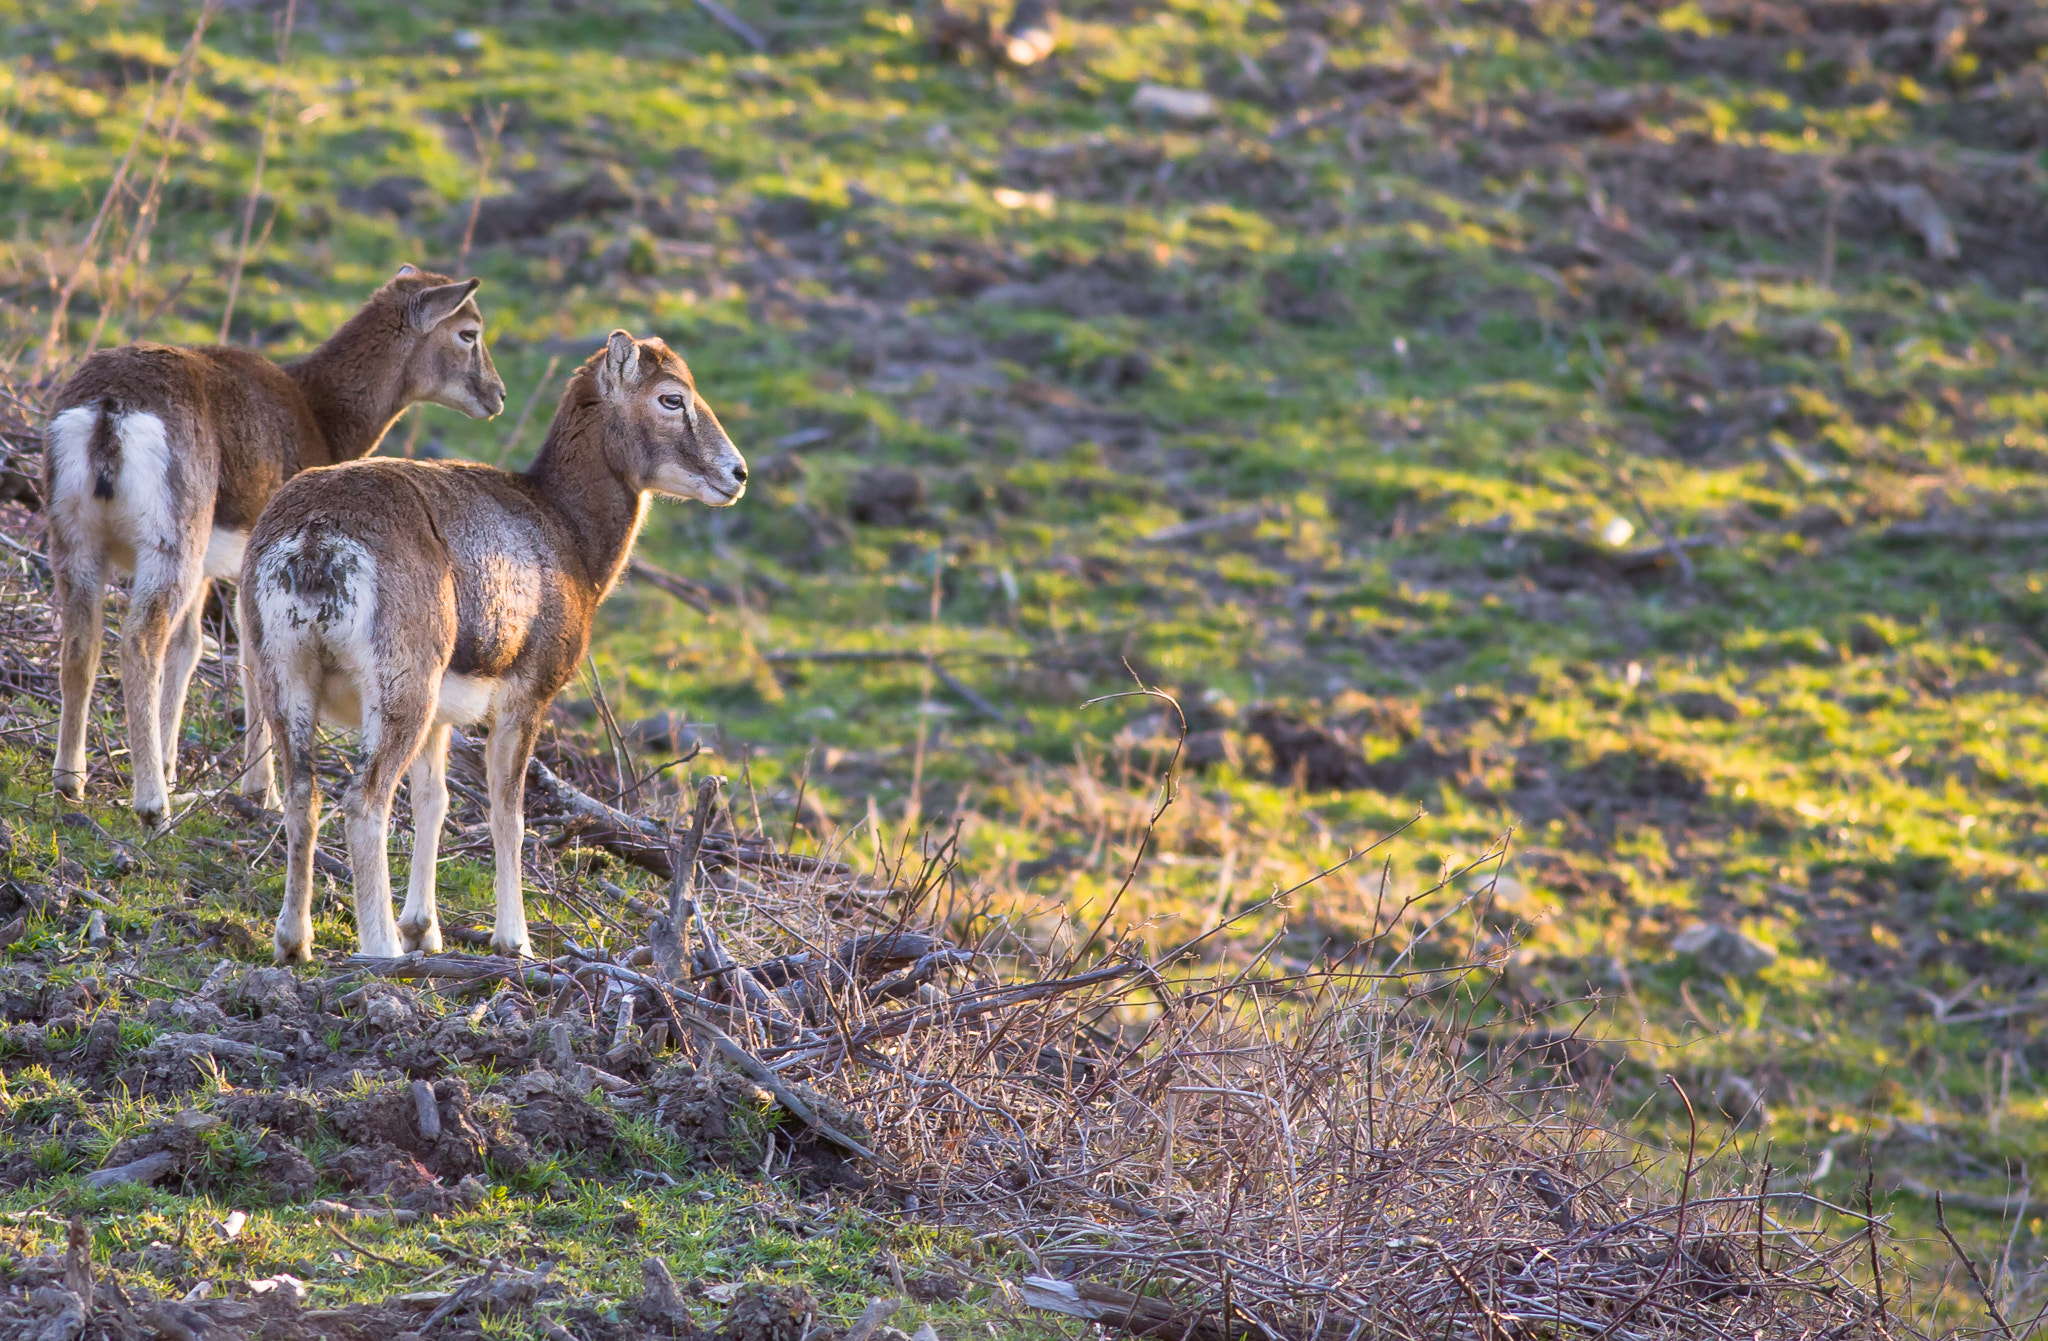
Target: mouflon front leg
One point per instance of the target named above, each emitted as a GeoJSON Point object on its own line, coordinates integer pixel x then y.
{"type": "Point", "coordinates": [395, 724]}
{"type": "Point", "coordinates": [505, 755]}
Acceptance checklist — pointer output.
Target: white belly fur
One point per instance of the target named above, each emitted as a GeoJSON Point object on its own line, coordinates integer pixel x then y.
{"type": "Point", "coordinates": [224, 554]}
{"type": "Point", "coordinates": [465, 699]}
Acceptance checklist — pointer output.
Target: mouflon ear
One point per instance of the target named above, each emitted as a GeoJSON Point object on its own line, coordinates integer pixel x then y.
{"type": "Point", "coordinates": [406, 272]}
{"type": "Point", "coordinates": [430, 307]}
{"type": "Point", "coordinates": [619, 369]}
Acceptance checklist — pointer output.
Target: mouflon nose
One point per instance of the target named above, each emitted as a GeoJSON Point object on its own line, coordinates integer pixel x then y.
{"type": "Point", "coordinates": [739, 473]}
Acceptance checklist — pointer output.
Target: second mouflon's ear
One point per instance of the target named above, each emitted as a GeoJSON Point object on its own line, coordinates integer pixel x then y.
{"type": "Point", "coordinates": [406, 272]}
{"type": "Point", "coordinates": [430, 307]}
{"type": "Point", "coordinates": [619, 369]}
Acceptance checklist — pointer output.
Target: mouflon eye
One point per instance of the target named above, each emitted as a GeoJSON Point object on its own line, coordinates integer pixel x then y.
{"type": "Point", "coordinates": [468, 337]}
{"type": "Point", "coordinates": [673, 402]}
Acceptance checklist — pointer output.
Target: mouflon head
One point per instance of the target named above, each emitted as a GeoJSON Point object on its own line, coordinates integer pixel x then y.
{"type": "Point", "coordinates": [447, 363]}
{"type": "Point", "coordinates": [666, 439]}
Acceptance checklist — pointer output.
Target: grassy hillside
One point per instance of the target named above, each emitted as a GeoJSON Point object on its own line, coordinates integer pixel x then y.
{"type": "Point", "coordinates": [1611, 431]}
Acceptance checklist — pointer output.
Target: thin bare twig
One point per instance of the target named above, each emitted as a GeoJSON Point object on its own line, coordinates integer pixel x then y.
{"type": "Point", "coordinates": [1970, 1265]}
{"type": "Point", "coordinates": [284, 42]}
{"type": "Point", "coordinates": [526, 410]}
{"type": "Point", "coordinates": [487, 157]}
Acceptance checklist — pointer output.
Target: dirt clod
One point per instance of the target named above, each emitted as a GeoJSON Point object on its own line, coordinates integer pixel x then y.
{"type": "Point", "coordinates": [885, 496]}
{"type": "Point", "coordinates": [765, 1312]}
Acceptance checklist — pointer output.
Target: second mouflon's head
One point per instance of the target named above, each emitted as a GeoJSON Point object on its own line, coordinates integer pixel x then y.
{"type": "Point", "coordinates": [664, 437]}
{"type": "Point", "coordinates": [447, 363]}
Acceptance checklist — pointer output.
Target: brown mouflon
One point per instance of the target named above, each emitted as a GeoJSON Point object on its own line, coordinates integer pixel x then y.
{"type": "Point", "coordinates": [405, 598]}
{"type": "Point", "coordinates": [160, 459]}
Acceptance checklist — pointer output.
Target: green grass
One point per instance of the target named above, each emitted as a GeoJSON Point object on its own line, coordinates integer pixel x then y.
{"type": "Point", "coordinates": [1412, 338]}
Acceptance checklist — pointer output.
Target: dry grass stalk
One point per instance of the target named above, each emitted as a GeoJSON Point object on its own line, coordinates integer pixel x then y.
{"type": "Point", "coordinates": [487, 156]}
{"type": "Point", "coordinates": [88, 250]}
{"type": "Point", "coordinates": [284, 41]}
{"type": "Point", "coordinates": [547, 379]}
{"type": "Point", "coordinates": [126, 271]}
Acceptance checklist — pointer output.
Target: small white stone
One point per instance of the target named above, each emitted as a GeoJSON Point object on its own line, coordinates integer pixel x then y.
{"type": "Point", "coordinates": [1179, 104]}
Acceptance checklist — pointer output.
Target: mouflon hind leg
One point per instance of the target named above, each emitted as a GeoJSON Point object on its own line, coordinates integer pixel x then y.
{"type": "Point", "coordinates": [80, 593]}
{"type": "Point", "coordinates": [156, 600]}
{"type": "Point", "coordinates": [419, 926]}
{"type": "Point", "coordinates": [181, 658]}
{"type": "Point", "coordinates": [292, 726]}
{"type": "Point", "coordinates": [397, 714]}
{"type": "Point", "coordinates": [259, 769]}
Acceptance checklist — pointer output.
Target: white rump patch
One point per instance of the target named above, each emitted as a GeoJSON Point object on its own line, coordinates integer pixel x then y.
{"type": "Point", "coordinates": [69, 438]}
{"type": "Point", "coordinates": [142, 491]}
{"type": "Point", "coordinates": [319, 637]}
{"type": "Point", "coordinates": [465, 699]}
{"type": "Point", "coordinates": [142, 516]}
{"type": "Point", "coordinates": [224, 550]}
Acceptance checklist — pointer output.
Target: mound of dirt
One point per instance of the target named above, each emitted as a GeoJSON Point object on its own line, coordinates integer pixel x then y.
{"type": "Point", "coordinates": [724, 1119]}
{"type": "Point", "coordinates": [540, 205]}
{"type": "Point", "coordinates": [552, 1118]}
{"type": "Point", "coordinates": [766, 1312]}
{"type": "Point", "coordinates": [1325, 758]}
{"type": "Point", "coordinates": [886, 496]}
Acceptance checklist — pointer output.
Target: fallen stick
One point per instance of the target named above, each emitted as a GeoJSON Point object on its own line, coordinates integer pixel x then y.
{"type": "Point", "coordinates": [1969, 532]}
{"type": "Point", "coordinates": [755, 1069]}
{"type": "Point", "coordinates": [373, 1256]}
{"type": "Point", "coordinates": [872, 1317]}
{"type": "Point", "coordinates": [734, 24]}
{"type": "Point", "coordinates": [904, 1021]}
{"type": "Point", "coordinates": [214, 1045]}
{"type": "Point", "coordinates": [976, 701]}
{"type": "Point", "coordinates": [621, 974]}
{"type": "Point", "coordinates": [459, 968]}
{"type": "Point", "coordinates": [882, 952]}
{"type": "Point", "coordinates": [341, 1210]}
{"type": "Point", "coordinates": [1201, 526]}
{"type": "Point", "coordinates": [146, 1170]}
{"type": "Point", "coordinates": [693, 594]}
{"type": "Point", "coordinates": [764, 1075]}
{"type": "Point", "coordinates": [646, 844]}
{"type": "Point", "coordinates": [920, 973]}
{"type": "Point", "coordinates": [1137, 1314]}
